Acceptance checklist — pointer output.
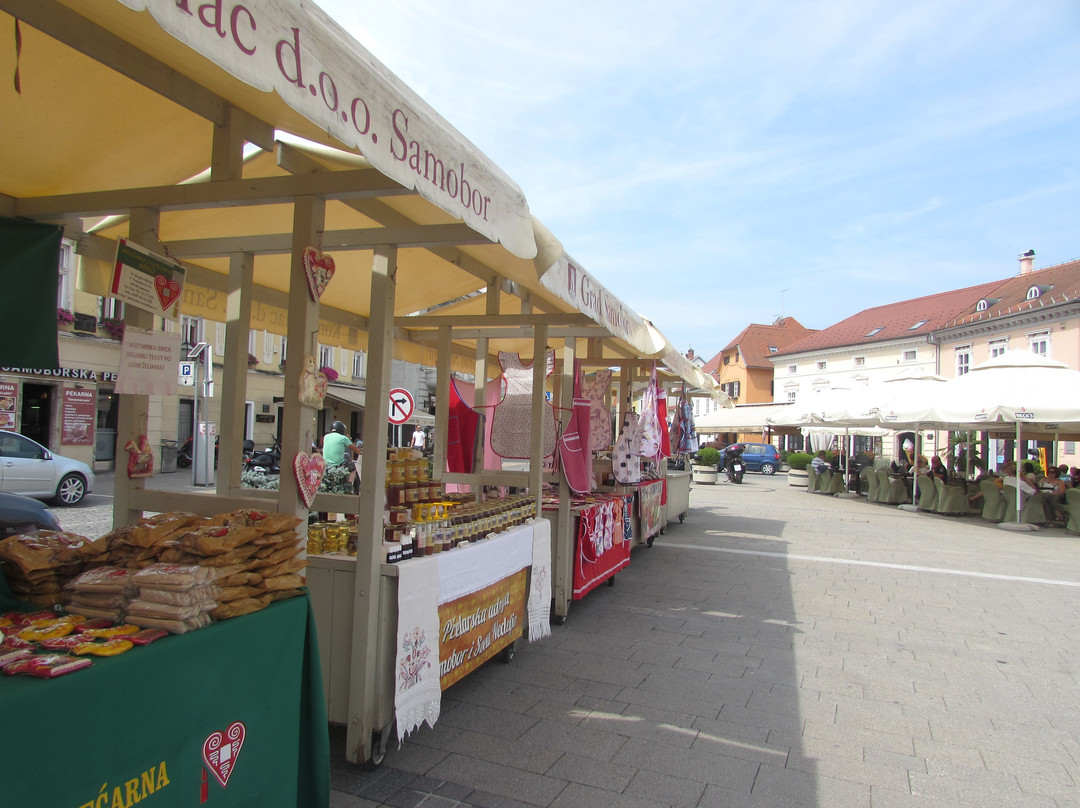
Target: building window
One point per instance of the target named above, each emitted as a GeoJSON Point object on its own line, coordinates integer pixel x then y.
{"type": "Point", "coordinates": [251, 343]}
{"type": "Point", "coordinates": [773, 349]}
{"type": "Point", "coordinates": [1039, 343]}
{"type": "Point", "coordinates": [918, 325]}
{"type": "Point", "coordinates": [112, 309]}
{"type": "Point", "coordinates": [792, 368]}
{"type": "Point", "coordinates": [963, 361]}
{"type": "Point", "coordinates": [860, 361]}
{"type": "Point", "coordinates": [727, 359]}
{"type": "Point", "coordinates": [358, 370]}
{"type": "Point", "coordinates": [998, 347]}
{"type": "Point", "coordinates": [821, 365]}
{"type": "Point", "coordinates": [191, 330]}
{"type": "Point", "coordinates": [219, 339]}
{"type": "Point", "coordinates": [268, 347]}
{"type": "Point", "coordinates": [731, 389]}
{"type": "Point", "coordinates": [1033, 292]}
{"type": "Point", "coordinates": [284, 349]}
{"type": "Point", "coordinates": [873, 331]}
{"type": "Point", "coordinates": [791, 396]}
{"type": "Point", "coordinates": [326, 356]}
{"type": "Point", "coordinates": [909, 356]}
{"type": "Point", "coordinates": [982, 305]}
{"type": "Point", "coordinates": [65, 286]}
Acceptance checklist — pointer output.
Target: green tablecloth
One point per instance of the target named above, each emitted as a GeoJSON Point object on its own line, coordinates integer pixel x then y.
{"type": "Point", "coordinates": [137, 722]}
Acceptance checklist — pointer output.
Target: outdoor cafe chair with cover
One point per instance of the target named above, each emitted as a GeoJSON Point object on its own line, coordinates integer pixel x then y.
{"type": "Point", "coordinates": [1032, 513]}
{"type": "Point", "coordinates": [1072, 506]}
{"type": "Point", "coordinates": [871, 478]}
{"type": "Point", "coordinates": [927, 494]}
{"type": "Point", "coordinates": [993, 507]}
{"type": "Point", "coordinates": [836, 484]}
{"type": "Point", "coordinates": [951, 499]}
{"type": "Point", "coordinates": [824, 481]}
{"type": "Point", "coordinates": [891, 491]}
{"type": "Point", "coordinates": [811, 480]}
{"type": "Point", "coordinates": [882, 485]}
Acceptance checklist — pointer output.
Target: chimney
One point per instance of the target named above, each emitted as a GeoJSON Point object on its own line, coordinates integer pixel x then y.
{"type": "Point", "coordinates": [1026, 261]}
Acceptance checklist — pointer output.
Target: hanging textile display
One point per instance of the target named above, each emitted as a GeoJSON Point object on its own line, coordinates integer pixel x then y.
{"type": "Point", "coordinates": [661, 417]}
{"type": "Point", "coordinates": [648, 425]}
{"type": "Point", "coordinates": [626, 458]}
{"type": "Point", "coordinates": [573, 449]}
{"type": "Point", "coordinates": [462, 433]}
{"type": "Point", "coordinates": [595, 387]}
{"type": "Point", "coordinates": [684, 435]}
{"type": "Point", "coordinates": [511, 423]}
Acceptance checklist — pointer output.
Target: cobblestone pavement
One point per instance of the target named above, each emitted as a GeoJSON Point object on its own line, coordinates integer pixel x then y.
{"type": "Point", "coordinates": [777, 649]}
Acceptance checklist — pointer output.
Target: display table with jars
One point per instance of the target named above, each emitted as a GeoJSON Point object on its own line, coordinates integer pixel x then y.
{"type": "Point", "coordinates": [460, 584]}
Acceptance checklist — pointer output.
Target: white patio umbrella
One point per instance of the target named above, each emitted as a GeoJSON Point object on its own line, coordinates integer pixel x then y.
{"type": "Point", "coordinates": [1018, 388]}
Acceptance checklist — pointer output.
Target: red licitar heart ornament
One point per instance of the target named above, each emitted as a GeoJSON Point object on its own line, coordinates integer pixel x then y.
{"type": "Point", "coordinates": [309, 473]}
{"type": "Point", "coordinates": [319, 269]}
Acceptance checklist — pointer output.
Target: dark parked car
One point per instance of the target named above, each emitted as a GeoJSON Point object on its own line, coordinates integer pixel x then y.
{"type": "Point", "coordinates": [761, 457]}
{"type": "Point", "coordinates": [19, 514]}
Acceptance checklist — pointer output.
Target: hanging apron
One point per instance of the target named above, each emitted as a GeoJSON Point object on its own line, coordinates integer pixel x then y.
{"type": "Point", "coordinates": [511, 423]}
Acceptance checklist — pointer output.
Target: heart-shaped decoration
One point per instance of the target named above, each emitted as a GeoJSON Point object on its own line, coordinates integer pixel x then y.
{"type": "Point", "coordinates": [319, 269]}
{"type": "Point", "coordinates": [220, 750]}
{"type": "Point", "coordinates": [309, 473]}
{"type": "Point", "coordinates": [167, 291]}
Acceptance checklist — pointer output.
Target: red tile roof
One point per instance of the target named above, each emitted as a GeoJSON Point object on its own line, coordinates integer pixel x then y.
{"type": "Point", "coordinates": [1056, 284]}
{"type": "Point", "coordinates": [908, 318]}
{"type": "Point", "coordinates": [755, 340]}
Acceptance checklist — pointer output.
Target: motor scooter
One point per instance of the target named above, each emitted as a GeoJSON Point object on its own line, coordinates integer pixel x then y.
{"type": "Point", "coordinates": [267, 460]}
{"type": "Point", "coordinates": [734, 468]}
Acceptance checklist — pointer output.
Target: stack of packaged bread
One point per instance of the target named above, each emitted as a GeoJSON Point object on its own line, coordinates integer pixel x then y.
{"type": "Point", "coordinates": [175, 570]}
{"type": "Point", "coordinates": [37, 567]}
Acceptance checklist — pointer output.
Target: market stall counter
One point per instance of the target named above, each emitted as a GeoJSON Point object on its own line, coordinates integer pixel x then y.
{"type": "Point", "coordinates": [649, 515]}
{"type": "Point", "coordinates": [603, 536]}
{"type": "Point", "coordinates": [231, 714]}
{"type": "Point", "coordinates": [678, 495]}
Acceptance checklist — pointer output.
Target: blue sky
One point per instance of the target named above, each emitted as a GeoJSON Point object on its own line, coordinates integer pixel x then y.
{"type": "Point", "coordinates": [729, 162]}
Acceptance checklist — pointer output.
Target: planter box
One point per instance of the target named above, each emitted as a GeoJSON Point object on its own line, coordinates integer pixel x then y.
{"type": "Point", "coordinates": [798, 477]}
{"type": "Point", "coordinates": [705, 475]}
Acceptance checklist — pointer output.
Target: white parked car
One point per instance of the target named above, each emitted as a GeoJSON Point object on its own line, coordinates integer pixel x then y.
{"type": "Point", "coordinates": [27, 467]}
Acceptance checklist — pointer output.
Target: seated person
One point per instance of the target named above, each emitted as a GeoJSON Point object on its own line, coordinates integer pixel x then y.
{"type": "Point", "coordinates": [1063, 475]}
{"type": "Point", "coordinates": [862, 460]}
{"type": "Point", "coordinates": [1053, 487]}
{"type": "Point", "coordinates": [1008, 477]}
{"type": "Point", "coordinates": [1029, 473]}
{"type": "Point", "coordinates": [819, 463]}
{"type": "Point", "coordinates": [937, 469]}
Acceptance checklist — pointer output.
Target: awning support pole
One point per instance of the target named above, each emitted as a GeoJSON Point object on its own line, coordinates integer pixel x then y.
{"type": "Point", "coordinates": [234, 383]}
{"type": "Point", "coordinates": [363, 694]}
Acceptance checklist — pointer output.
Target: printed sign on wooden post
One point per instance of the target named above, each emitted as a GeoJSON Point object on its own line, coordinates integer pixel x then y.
{"type": "Point", "coordinates": [475, 627]}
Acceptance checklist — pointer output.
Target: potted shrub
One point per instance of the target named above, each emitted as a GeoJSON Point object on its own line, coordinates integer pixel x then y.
{"type": "Point", "coordinates": [703, 469]}
{"type": "Point", "coordinates": [797, 462]}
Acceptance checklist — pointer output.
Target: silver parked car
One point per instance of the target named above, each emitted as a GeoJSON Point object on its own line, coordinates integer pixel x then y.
{"type": "Point", "coordinates": [27, 467]}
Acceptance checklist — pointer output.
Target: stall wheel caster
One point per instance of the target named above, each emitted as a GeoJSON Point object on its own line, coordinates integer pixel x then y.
{"type": "Point", "coordinates": [611, 581]}
{"type": "Point", "coordinates": [378, 750]}
{"type": "Point", "coordinates": [558, 619]}
{"type": "Point", "coordinates": [507, 654]}
{"type": "Point", "coordinates": [649, 541]}
{"type": "Point", "coordinates": [681, 517]}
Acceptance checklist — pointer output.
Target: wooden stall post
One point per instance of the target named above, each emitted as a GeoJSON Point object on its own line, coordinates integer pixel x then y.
{"type": "Point", "coordinates": [442, 396]}
{"type": "Point", "coordinates": [298, 420]}
{"type": "Point", "coordinates": [133, 410]}
{"type": "Point", "coordinates": [536, 447]}
{"type": "Point", "coordinates": [363, 670]}
{"type": "Point", "coordinates": [234, 385]}
{"type": "Point", "coordinates": [562, 551]}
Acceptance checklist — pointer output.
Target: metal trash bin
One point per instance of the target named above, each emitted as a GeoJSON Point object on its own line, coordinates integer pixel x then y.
{"type": "Point", "coordinates": [167, 464]}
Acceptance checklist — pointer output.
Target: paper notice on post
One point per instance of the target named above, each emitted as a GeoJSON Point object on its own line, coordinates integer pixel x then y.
{"type": "Point", "coordinates": [149, 363]}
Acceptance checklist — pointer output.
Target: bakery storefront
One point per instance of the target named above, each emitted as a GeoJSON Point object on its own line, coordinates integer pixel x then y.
{"type": "Point", "coordinates": [71, 410]}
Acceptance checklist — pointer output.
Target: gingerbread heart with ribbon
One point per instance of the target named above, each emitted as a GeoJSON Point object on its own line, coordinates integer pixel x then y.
{"type": "Point", "coordinates": [319, 269]}
{"type": "Point", "coordinates": [309, 473]}
{"type": "Point", "coordinates": [220, 750]}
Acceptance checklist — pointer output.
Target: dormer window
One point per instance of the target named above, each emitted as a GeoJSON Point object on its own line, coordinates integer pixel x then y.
{"type": "Point", "coordinates": [773, 349]}
{"type": "Point", "coordinates": [986, 303]}
{"type": "Point", "coordinates": [875, 330]}
{"type": "Point", "coordinates": [1036, 291]}
{"type": "Point", "coordinates": [918, 325]}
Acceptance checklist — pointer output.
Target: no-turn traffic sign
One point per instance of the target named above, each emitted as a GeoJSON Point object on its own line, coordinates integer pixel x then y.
{"type": "Point", "coordinates": [401, 405]}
